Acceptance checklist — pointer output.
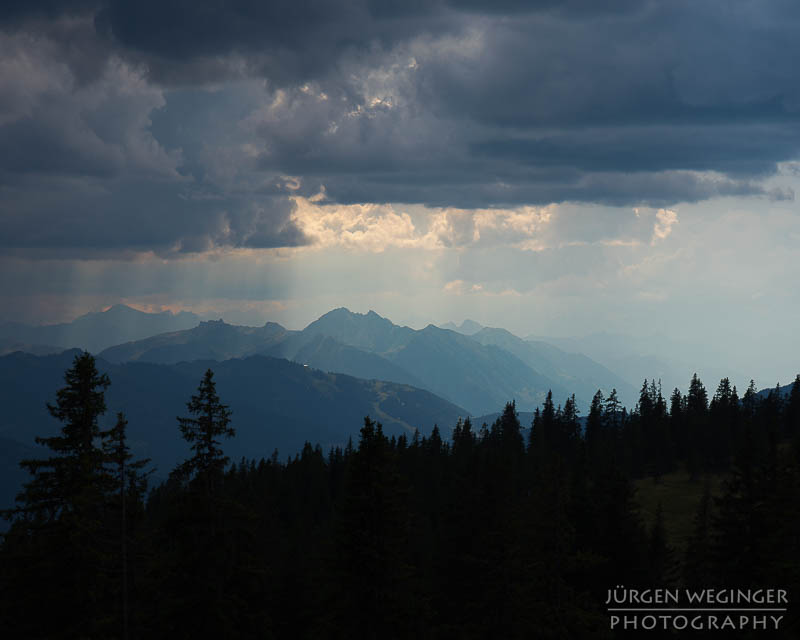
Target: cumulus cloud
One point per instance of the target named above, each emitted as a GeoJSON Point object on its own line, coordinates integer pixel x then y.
{"type": "Point", "coordinates": [83, 174]}
{"type": "Point", "coordinates": [374, 228]}
{"type": "Point", "coordinates": [52, 123]}
{"type": "Point", "coordinates": [665, 219]}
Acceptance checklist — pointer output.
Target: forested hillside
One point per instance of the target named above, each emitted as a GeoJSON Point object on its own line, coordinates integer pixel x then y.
{"type": "Point", "coordinates": [471, 532]}
{"type": "Point", "coordinates": [278, 405]}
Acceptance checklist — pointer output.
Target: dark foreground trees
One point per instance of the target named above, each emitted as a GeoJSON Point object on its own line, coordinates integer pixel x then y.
{"type": "Point", "coordinates": [204, 539]}
{"type": "Point", "coordinates": [64, 556]}
{"type": "Point", "coordinates": [492, 533]}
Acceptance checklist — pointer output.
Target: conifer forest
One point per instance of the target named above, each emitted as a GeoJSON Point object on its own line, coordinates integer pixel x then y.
{"type": "Point", "coordinates": [502, 530]}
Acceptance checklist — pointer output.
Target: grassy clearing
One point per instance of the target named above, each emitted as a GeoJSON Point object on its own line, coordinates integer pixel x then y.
{"type": "Point", "coordinates": [679, 496]}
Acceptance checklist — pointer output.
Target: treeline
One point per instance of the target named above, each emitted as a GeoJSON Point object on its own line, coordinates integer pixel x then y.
{"type": "Point", "coordinates": [496, 531]}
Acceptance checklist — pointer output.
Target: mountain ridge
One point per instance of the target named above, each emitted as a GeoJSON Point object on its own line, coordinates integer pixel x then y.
{"type": "Point", "coordinates": [97, 330]}
{"type": "Point", "coordinates": [469, 371]}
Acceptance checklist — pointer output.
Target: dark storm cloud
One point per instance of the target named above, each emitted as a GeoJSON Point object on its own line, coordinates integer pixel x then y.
{"type": "Point", "coordinates": [723, 148]}
{"type": "Point", "coordinates": [182, 127]}
{"type": "Point", "coordinates": [13, 11]}
{"type": "Point", "coordinates": [286, 40]}
{"type": "Point", "coordinates": [164, 217]}
{"type": "Point", "coordinates": [562, 103]}
{"type": "Point", "coordinates": [652, 189]}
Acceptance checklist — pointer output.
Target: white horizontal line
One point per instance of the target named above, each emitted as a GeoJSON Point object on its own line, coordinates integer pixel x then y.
{"type": "Point", "coordinates": [700, 609]}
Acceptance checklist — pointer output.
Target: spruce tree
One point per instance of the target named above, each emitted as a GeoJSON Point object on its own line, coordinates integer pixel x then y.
{"type": "Point", "coordinates": [594, 426]}
{"type": "Point", "coordinates": [210, 422]}
{"type": "Point", "coordinates": [791, 412]}
{"type": "Point", "coordinates": [53, 552]}
{"type": "Point", "coordinates": [205, 543]}
{"type": "Point", "coordinates": [375, 595]}
{"type": "Point", "coordinates": [698, 438]}
{"type": "Point", "coordinates": [126, 486]}
{"type": "Point", "coordinates": [724, 424]}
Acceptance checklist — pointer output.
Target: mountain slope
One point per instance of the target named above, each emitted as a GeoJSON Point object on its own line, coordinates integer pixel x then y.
{"type": "Point", "coordinates": [275, 403]}
{"type": "Point", "coordinates": [573, 371]}
{"type": "Point", "coordinates": [96, 331]}
{"type": "Point", "coordinates": [211, 340]}
{"type": "Point", "coordinates": [369, 331]}
{"type": "Point", "coordinates": [217, 340]}
{"type": "Point", "coordinates": [654, 357]}
{"type": "Point", "coordinates": [476, 376]}
{"type": "Point", "coordinates": [468, 327]}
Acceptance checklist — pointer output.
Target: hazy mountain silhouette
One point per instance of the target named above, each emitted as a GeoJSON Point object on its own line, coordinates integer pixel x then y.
{"type": "Point", "coordinates": [367, 331]}
{"type": "Point", "coordinates": [783, 390]}
{"type": "Point", "coordinates": [574, 371]}
{"type": "Point", "coordinates": [217, 340]}
{"type": "Point", "coordinates": [468, 327]}
{"type": "Point", "coordinates": [98, 330]}
{"type": "Point", "coordinates": [635, 358]}
{"type": "Point", "coordinates": [12, 476]}
{"type": "Point", "coordinates": [210, 340]}
{"type": "Point", "coordinates": [475, 376]}
{"type": "Point", "coordinates": [479, 373]}
{"type": "Point", "coordinates": [10, 345]}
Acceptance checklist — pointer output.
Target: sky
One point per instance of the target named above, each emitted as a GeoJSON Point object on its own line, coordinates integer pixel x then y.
{"type": "Point", "coordinates": [555, 168]}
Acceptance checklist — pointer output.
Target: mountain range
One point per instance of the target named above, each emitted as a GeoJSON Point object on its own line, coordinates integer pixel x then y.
{"type": "Point", "coordinates": [467, 327]}
{"type": "Point", "coordinates": [652, 357]}
{"type": "Point", "coordinates": [93, 331]}
{"type": "Point", "coordinates": [287, 387]}
{"type": "Point", "coordinates": [480, 372]}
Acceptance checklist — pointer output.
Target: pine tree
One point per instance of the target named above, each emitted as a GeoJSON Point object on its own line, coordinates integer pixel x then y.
{"type": "Point", "coordinates": [570, 429]}
{"type": "Point", "coordinates": [126, 486]}
{"type": "Point", "coordinates": [203, 432]}
{"type": "Point", "coordinates": [723, 424]}
{"type": "Point", "coordinates": [53, 551]}
{"type": "Point", "coordinates": [372, 541]}
{"type": "Point", "coordinates": [791, 412]}
{"type": "Point", "coordinates": [613, 410]}
{"type": "Point", "coordinates": [594, 426]}
{"type": "Point", "coordinates": [677, 423]}
{"type": "Point", "coordinates": [698, 437]}
{"type": "Point", "coordinates": [204, 545]}
{"type": "Point", "coordinates": [64, 484]}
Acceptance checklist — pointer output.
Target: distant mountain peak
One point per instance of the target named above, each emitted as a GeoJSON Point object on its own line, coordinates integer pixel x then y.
{"type": "Point", "coordinates": [344, 315]}
{"type": "Point", "coordinates": [119, 307]}
{"type": "Point", "coordinates": [470, 326]}
{"type": "Point", "coordinates": [467, 327]}
{"type": "Point", "coordinates": [98, 330]}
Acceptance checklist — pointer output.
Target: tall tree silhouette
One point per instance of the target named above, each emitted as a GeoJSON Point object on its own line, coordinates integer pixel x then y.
{"type": "Point", "coordinates": [53, 549]}
{"type": "Point", "coordinates": [126, 486]}
{"type": "Point", "coordinates": [204, 544]}
{"type": "Point", "coordinates": [210, 422]}
{"type": "Point", "coordinates": [791, 413]}
{"type": "Point", "coordinates": [372, 539]}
